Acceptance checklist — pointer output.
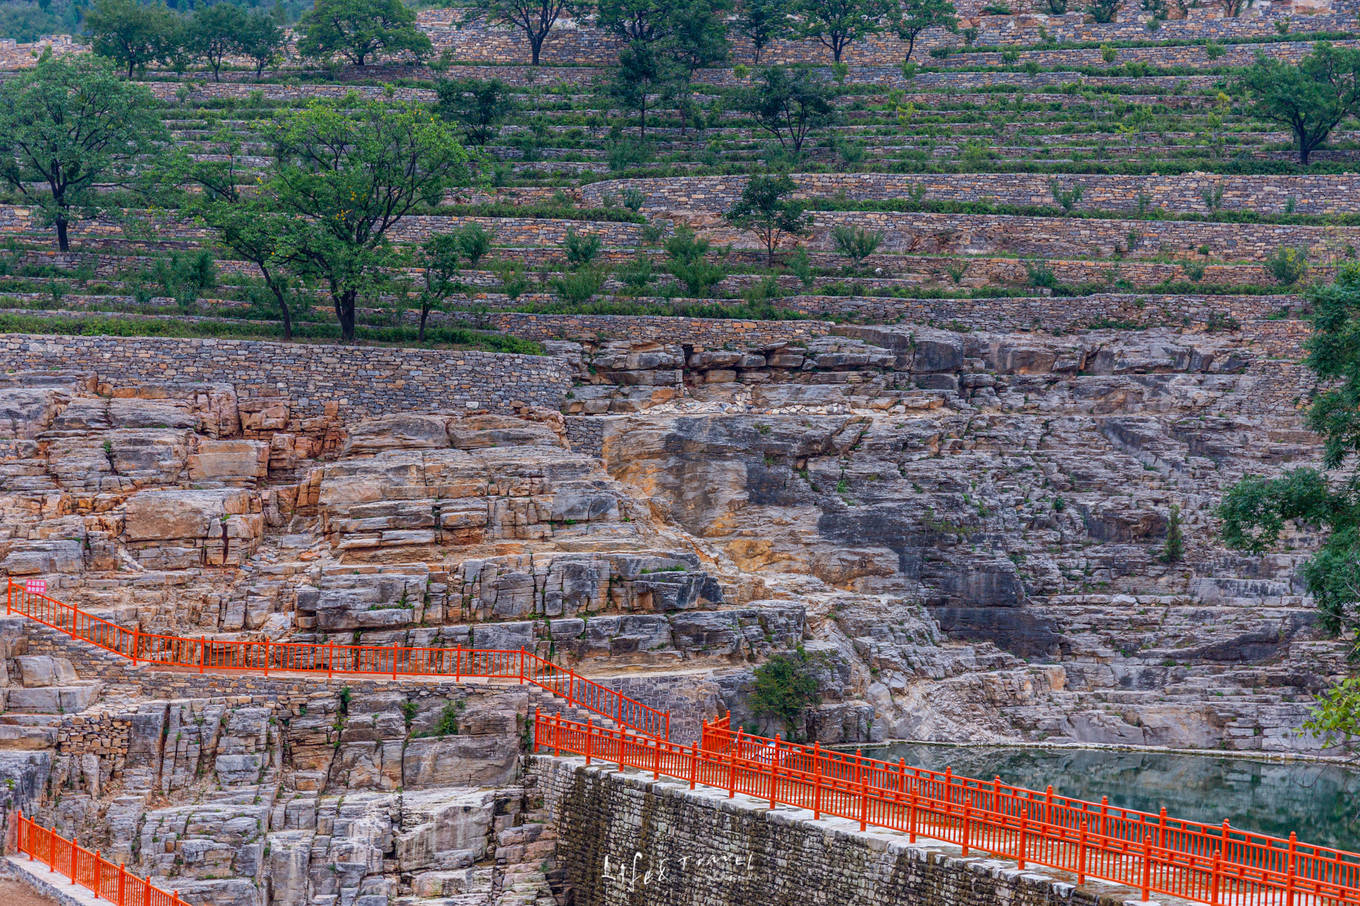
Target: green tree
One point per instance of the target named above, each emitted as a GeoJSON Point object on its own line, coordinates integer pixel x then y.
{"type": "Point", "coordinates": [643, 73]}
{"type": "Point", "coordinates": [763, 21]}
{"type": "Point", "coordinates": [1256, 510]}
{"type": "Point", "coordinates": [247, 223]}
{"type": "Point", "coordinates": [839, 23]}
{"type": "Point", "coordinates": [68, 125]}
{"type": "Point", "coordinates": [215, 31]}
{"type": "Point", "coordinates": [478, 105]}
{"type": "Point", "coordinates": [767, 208]}
{"type": "Point", "coordinates": [261, 39]}
{"type": "Point", "coordinates": [347, 172]}
{"type": "Point", "coordinates": [130, 33]}
{"type": "Point", "coordinates": [360, 30]}
{"type": "Point", "coordinates": [1309, 97]}
{"type": "Point", "coordinates": [855, 242]}
{"type": "Point", "coordinates": [785, 689]}
{"type": "Point", "coordinates": [789, 104]}
{"type": "Point", "coordinates": [698, 34]}
{"type": "Point", "coordinates": [535, 18]}
{"type": "Point", "coordinates": [440, 260]}
{"type": "Point", "coordinates": [911, 17]}
{"type": "Point", "coordinates": [644, 21]}
{"type": "Point", "coordinates": [474, 242]}
{"type": "Point", "coordinates": [687, 259]}
{"type": "Point", "coordinates": [1173, 547]}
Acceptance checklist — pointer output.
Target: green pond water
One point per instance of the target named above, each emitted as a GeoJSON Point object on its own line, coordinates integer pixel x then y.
{"type": "Point", "coordinates": [1318, 801]}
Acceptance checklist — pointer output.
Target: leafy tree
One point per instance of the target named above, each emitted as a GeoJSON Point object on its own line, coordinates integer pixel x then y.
{"type": "Point", "coordinates": [644, 71]}
{"type": "Point", "coordinates": [130, 33]}
{"type": "Point", "coordinates": [244, 222]}
{"type": "Point", "coordinates": [1256, 509]}
{"type": "Point", "coordinates": [839, 23]}
{"type": "Point", "coordinates": [67, 125]}
{"type": "Point", "coordinates": [535, 18]}
{"type": "Point", "coordinates": [1309, 97]}
{"type": "Point", "coordinates": [360, 30]}
{"type": "Point", "coordinates": [911, 17]}
{"type": "Point", "coordinates": [786, 688]}
{"type": "Point", "coordinates": [698, 34]}
{"type": "Point", "coordinates": [1336, 717]}
{"type": "Point", "coordinates": [1288, 264]}
{"type": "Point", "coordinates": [346, 173]}
{"type": "Point", "coordinates": [478, 105]}
{"type": "Point", "coordinates": [474, 242]}
{"type": "Point", "coordinates": [1103, 11]}
{"type": "Point", "coordinates": [262, 39]}
{"type": "Point", "coordinates": [763, 21]}
{"type": "Point", "coordinates": [581, 248]}
{"type": "Point", "coordinates": [767, 208]}
{"type": "Point", "coordinates": [855, 242]}
{"type": "Point", "coordinates": [215, 31]}
{"type": "Point", "coordinates": [642, 21]}
{"type": "Point", "coordinates": [789, 104]}
{"type": "Point", "coordinates": [440, 260]}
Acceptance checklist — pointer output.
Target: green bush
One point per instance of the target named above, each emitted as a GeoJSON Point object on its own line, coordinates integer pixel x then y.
{"type": "Point", "coordinates": [855, 242]}
{"type": "Point", "coordinates": [579, 286]}
{"type": "Point", "coordinates": [785, 688]}
{"type": "Point", "coordinates": [1288, 265]}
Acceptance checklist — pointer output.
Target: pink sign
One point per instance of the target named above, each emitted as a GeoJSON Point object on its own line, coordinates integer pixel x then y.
{"type": "Point", "coordinates": [36, 586]}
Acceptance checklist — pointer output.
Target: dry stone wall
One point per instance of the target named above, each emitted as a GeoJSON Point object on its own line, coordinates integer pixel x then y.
{"type": "Point", "coordinates": [359, 380]}
{"type": "Point", "coordinates": [623, 840]}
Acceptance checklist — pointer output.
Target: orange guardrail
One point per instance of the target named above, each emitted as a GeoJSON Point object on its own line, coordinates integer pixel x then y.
{"type": "Point", "coordinates": [203, 654]}
{"type": "Point", "coordinates": [1213, 864]}
{"type": "Point", "coordinates": [82, 867]}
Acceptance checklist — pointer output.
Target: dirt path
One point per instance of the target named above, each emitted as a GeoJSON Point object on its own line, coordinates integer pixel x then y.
{"type": "Point", "coordinates": [12, 893]}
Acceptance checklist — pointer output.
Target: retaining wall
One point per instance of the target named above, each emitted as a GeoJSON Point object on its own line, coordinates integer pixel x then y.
{"type": "Point", "coordinates": [361, 381]}
{"type": "Point", "coordinates": [623, 840]}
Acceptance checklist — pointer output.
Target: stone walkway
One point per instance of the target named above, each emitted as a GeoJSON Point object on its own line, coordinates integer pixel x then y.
{"type": "Point", "coordinates": [55, 890]}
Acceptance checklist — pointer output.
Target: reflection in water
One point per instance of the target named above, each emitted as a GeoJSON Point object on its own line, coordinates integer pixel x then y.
{"type": "Point", "coordinates": [1319, 802]}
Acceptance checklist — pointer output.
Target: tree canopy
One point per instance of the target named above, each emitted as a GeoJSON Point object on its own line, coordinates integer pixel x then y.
{"type": "Point", "coordinates": [839, 23]}
{"type": "Point", "coordinates": [1309, 97]}
{"type": "Point", "coordinates": [67, 125]}
{"type": "Point", "coordinates": [535, 18]}
{"type": "Point", "coordinates": [911, 17]}
{"type": "Point", "coordinates": [131, 34]}
{"type": "Point", "coordinates": [360, 30]}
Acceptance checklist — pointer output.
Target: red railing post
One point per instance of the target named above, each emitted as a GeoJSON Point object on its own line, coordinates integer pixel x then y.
{"type": "Point", "coordinates": [395, 649]}
{"type": "Point", "coordinates": [1147, 865]}
{"type": "Point", "coordinates": [911, 819]}
{"type": "Point", "coordinates": [122, 883]}
{"type": "Point", "coordinates": [1081, 854]}
{"type": "Point", "coordinates": [98, 873]}
{"type": "Point", "coordinates": [656, 757]}
{"type": "Point", "coordinates": [774, 770]}
{"type": "Point", "coordinates": [996, 794]}
{"type": "Point", "coordinates": [74, 852]}
{"type": "Point", "coordinates": [863, 790]}
{"type": "Point", "coordinates": [136, 643]}
{"type": "Point", "coordinates": [266, 655]}
{"type": "Point", "coordinates": [1024, 838]}
{"type": "Point", "coordinates": [202, 652]}
{"type": "Point", "coordinates": [1104, 816]}
{"type": "Point", "coordinates": [623, 742]}
{"type": "Point", "coordinates": [1214, 881]}
{"type": "Point", "coordinates": [51, 850]}
{"type": "Point", "coordinates": [967, 823]}
{"type": "Point", "coordinates": [537, 721]}
{"type": "Point", "coordinates": [521, 665]}
{"type": "Point", "coordinates": [816, 781]}
{"type": "Point", "coordinates": [1048, 806]}
{"type": "Point", "coordinates": [732, 767]}
{"type": "Point", "coordinates": [948, 787]}
{"type": "Point", "coordinates": [590, 731]}
{"type": "Point", "coordinates": [693, 764]}
{"type": "Point", "coordinates": [1291, 879]}
{"type": "Point", "coordinates": [458, 665]}
{"type": "Point", "coordinates": [330, 659]}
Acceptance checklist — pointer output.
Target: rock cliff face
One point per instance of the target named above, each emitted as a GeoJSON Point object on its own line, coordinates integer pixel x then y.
{"type": "Point", "coordinates": [965, 530]}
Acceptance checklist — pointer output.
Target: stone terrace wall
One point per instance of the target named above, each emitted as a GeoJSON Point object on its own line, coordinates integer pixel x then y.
{"type": "Point", "coordinates": [705, 332]}
{"type": "Point", "coordinates": [623, 840]}
{"type": "Point", "coordinates": [359, 380]}
{"type": "Point", "coordinates": [1177, 194]}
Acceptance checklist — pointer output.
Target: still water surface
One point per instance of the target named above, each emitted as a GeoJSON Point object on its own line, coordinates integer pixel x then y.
{"type": "Point", "coordinates": [1318, 801]}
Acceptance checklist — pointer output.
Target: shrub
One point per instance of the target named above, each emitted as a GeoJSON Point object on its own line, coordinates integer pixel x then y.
{"type": "Point", "coordinates": [687, 258]}
{"type": "Point", "coordinates": [785, 688]}
{"type": "Point", "coordinates": [1103, 11]}
{"type": "Point", "coordinates": [579, 286]}
{"type": "Point", "coordinates": [581, 248]}
{"type": "Point", "coordinates": [1108, 53]}
{"type": "Point", "coordinates": [1288, 265]}
{"type": "Point", "coordinates": [1213, 50]}
{"type": "Point", "coordinates": [856, 243]}
{"type": "Point", "coordinates": [1173, 548]}
{"type": "Point", "coordinates": [447, 724]}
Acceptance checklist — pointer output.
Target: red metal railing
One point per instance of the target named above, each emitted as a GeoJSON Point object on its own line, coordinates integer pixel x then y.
{"type": "Point", "coordinates": [1152, 853]}
{"type": "Point", "coordinates": [88, 869]}
{"type": "Point", "coordinates": [204, 654]}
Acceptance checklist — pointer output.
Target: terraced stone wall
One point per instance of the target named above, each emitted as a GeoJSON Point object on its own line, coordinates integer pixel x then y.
{"type": "Point", "coordinates": [625, 840]}
{"type": "Point", "coordinates": [362, 381]}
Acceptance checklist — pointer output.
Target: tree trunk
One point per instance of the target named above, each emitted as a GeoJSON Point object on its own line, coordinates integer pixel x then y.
{"type": "Point", "coordinates": [284, 314]}
{"type": "Point", "coordinates": [344, 312]}
{"type": "Point", "coordinates": [535, 46]}
{"type": "Point", "coordinates": [130, 67]}
{"type": "Point", "coordinates": [1304, 151]}
{"type": "Point", "coordinates": [644, 117]}
{"type": "Point", "coordinates": [424, 313]}
{"type": "Point", "coordinates": [64, 243]}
